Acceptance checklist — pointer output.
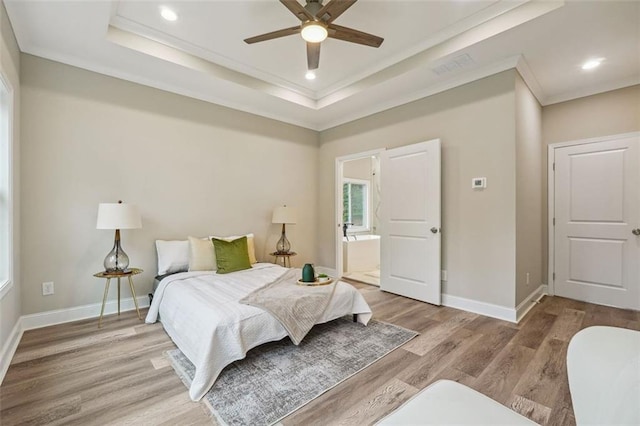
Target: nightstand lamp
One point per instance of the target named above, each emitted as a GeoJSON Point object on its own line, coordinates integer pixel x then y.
{"type": "Point", "coordinates": [283, 215]}
{"type": "Point", "coordinates": [117, 216]}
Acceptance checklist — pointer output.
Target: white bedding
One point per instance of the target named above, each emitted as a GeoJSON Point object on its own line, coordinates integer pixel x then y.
{"type": "Point", "coordinates": [201, 313]}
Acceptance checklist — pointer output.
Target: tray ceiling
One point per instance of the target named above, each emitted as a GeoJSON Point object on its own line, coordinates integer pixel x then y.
{"type": "Point", "coordinates": [429, 46]}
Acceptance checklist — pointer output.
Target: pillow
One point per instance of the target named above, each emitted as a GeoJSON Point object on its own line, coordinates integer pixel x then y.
{"type": "Point", "coordinates": [231, 256]}
{"type": "Point", "coordinates": [251, 246]}
{"type": "Point", "coordinates": [173, 256]}
{"type": "Point", "coordinates": [201, 255]}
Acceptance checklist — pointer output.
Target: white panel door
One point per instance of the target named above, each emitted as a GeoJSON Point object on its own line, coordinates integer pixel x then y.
{"type": "Point", "coordinates": [597, 216]}
{"type": "Point", "coordinates": [410, 221]}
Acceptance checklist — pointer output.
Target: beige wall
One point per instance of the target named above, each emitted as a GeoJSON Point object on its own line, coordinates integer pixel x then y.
{"type": "Point", "coordinates": [528, 191]}
{"type": "Point", "coordinates": [476, 123]}
{"type": "Point", "coordinates": [193, 168]}
{"type": "Point", "coordinates": [604, 114]}
{"type": "Point", "coordinates": [10, 309]}
{"type": "Point", "coordinates": [358, 169]}
{"type": "Point", "coordinates": [198, 169]}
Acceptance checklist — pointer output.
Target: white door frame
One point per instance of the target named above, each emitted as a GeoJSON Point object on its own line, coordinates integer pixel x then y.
{"type": "Point", "coordinates": [338, 200]}
{"type": "Point", "coordinates": [7, 285]}
{"type": "Point", "coordinates": [551, 194]}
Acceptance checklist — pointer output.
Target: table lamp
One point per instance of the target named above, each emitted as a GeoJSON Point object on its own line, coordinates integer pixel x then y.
{"type": "Point", "coordinates": [117, 216]}
{"type": "Point", "coordinates": [283, 215]}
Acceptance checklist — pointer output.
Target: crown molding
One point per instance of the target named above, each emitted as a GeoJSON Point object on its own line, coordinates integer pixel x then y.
{"type": "Point", "coordinates": [593, 90]}
{"type": "Point", "coordinates": [530, 79]}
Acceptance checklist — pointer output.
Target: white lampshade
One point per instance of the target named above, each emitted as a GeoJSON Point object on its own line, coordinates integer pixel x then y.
{"type": "Point", "coordinates": [284, 214]}
{"type": "Point", "coordinates": [118, 216]}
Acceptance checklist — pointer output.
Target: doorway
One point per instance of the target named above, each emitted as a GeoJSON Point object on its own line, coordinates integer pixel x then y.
{"type": "Point", "coordinates": [594, 217]}
{"type": "Point", "coordinates": [402, 226]}
{"type": "Point", "coordinates": [358, 210]}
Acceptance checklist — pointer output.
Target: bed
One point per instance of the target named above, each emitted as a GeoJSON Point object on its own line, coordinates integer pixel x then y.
{"type": "Point", "coordinates": [201, 313]}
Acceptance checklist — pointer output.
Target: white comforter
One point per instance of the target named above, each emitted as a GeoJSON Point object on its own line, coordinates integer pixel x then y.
{"type": "Point", "coordinates": [201, 313]}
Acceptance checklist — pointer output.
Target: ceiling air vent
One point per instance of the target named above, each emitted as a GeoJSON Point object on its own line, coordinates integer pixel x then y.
{"type": "Point", "coordinates": [457, 63]}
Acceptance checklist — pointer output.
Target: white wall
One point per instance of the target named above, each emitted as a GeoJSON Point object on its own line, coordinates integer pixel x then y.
{"type": "Point", "coordinates": [528, 192]}
{"type": "Point", "coordinates": [604, 114]}
{"type": "Point", "coordinates": [476, 123]}
{"type": "Point", "coordinates": [10, 309]}
{"type": "Point", "coordinates": [193, 168]}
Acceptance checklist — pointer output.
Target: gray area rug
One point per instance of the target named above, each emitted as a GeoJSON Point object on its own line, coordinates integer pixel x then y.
{"type": "Point", "coordinates": [277, 378]}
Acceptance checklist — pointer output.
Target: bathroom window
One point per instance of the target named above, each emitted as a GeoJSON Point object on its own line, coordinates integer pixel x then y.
{"type": "Point", "coordinates": [355, 204]}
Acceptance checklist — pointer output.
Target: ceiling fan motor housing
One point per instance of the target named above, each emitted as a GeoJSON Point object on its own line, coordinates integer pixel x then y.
{"type": "Point", "coordinates": [313, 7]}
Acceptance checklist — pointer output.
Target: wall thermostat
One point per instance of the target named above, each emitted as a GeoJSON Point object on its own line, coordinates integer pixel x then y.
{"type": "Point", "coordinates": [479, 183]}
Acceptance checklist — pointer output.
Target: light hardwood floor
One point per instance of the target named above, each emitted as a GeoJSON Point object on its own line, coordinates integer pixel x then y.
{"type": "Point", "coordinates": [78, 374]}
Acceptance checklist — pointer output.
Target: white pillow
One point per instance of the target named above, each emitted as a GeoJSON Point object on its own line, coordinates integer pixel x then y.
{"type": "Point", "coordinates": [202, 255]}
{"type": "Point", "coordinates": [173, 256]}
{"type": "Point", "coordinates": [251, 246]}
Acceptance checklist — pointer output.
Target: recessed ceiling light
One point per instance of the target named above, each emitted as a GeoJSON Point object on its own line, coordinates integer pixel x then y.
{"type": "Point", "coordinates": [591, 64]}
{"type": "Point", "coordinates": [310, 75]}
{"type": "Point", "coordinates": [168, 14]}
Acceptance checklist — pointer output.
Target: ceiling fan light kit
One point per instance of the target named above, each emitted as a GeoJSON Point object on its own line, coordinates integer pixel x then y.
{"type": "Point", "coordinates": [314, 32]}
{"type": "Point", "coordinates": [316, 25]}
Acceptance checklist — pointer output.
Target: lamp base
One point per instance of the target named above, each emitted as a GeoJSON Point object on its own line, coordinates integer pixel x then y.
{"type": "Point", "coordinates": [117, 261]}
{"type": "Point", "coordinates": [283, 246]}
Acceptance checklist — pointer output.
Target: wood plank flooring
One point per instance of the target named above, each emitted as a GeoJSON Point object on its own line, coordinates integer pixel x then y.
{"type": "Point", "coordinates": [78, 374]}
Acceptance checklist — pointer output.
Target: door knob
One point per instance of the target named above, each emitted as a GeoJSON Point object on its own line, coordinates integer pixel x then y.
{"type": "Point", "coordinates": [635, 231]}
{"type": "Point", "coordinates": [435, 230]}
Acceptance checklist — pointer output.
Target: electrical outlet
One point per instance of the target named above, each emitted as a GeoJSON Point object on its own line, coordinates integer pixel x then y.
{"type": "Point", "coordinates": [443, 275]}
{"type": "Point", "coordinates": [47, 288]}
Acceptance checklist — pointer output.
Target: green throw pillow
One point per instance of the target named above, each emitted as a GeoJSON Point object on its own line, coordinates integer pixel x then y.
{"type": "Point", "coordinates": [231, 256]}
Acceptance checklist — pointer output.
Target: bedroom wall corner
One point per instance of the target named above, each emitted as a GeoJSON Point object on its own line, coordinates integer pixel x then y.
{"type": "Point", "coordinates": [476, 123]}
{"type": "Point", "coordinates": [192, 167]}
{"type": "Point", "coordinates": [10, 301]}
{"type": "Point", "coordinates": [528, 192]}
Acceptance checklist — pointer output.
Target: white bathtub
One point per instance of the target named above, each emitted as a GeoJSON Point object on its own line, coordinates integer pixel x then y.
{"type": "Point", "coordinates": [361, 253]}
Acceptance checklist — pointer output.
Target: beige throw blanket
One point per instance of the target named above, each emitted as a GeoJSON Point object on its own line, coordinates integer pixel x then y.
{"type": "Point", "coordinates": [297, 307]}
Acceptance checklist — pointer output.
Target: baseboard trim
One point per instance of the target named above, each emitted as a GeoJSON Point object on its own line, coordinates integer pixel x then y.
{"type": "Point", "coordinates": [525, 306]}
{"type": "Point", "coordinates": [504, 313]}
{"type": "Point", "coordinates": [477, 307]}
{"type": "Point", "coordinates": [60, 316]}
{"type": "Point", "coordinates": [9, 348]}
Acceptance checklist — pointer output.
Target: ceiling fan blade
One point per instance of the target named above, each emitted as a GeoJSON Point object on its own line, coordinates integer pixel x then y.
{"type": "Point", "coordinates": [273, 34]}
{"type": "Point", "coordinates": [354, 36]}
{"type": "Point", "coordinates": [333, 9]}
{"type": "Point", "coordinates": [297, 9]}
{"type": "Point", "coordinates": [313, 55]}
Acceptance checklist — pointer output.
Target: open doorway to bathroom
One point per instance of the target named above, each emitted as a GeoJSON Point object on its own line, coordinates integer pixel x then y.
{"type": "Point", "coordinates": [358, 210]}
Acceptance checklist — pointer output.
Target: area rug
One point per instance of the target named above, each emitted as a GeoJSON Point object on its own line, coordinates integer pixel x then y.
{"type": "Point", "coordinates": [277, 378]}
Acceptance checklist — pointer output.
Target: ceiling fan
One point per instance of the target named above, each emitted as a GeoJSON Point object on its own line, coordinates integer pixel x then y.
{"type": "Point", "coordinates": [317, 24]}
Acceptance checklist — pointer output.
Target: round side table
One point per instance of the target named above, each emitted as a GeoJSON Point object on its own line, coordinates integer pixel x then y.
{"type": "Point", "coordinates": [108, 275]}
{"type": "Point", "coordinates": [286, 258]}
